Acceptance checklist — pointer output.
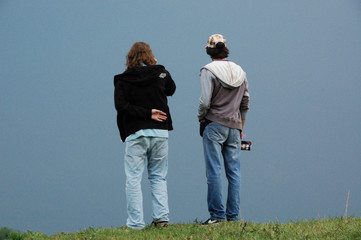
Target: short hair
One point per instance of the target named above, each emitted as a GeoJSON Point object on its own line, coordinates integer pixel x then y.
{"type": "Point", "coordinates": [220, 52]}
{"type": "Point", "coordinates": [140, 53]}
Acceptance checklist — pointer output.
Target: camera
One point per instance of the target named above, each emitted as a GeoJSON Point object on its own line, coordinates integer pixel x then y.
{"type": "Point", "coordinates": [246, 145]}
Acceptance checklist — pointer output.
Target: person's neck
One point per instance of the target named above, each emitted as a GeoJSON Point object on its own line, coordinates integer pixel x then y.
{"type": "Point", "coordinates": [219, 59]}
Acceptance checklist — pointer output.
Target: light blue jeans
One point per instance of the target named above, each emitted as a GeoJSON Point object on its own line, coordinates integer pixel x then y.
{"type": "Point", "coordinates": [222, 144]}
{"type": "Point", "coordinates": [137, 152]}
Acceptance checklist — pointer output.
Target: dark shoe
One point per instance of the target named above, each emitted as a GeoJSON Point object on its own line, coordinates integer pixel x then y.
{"type": "Point", "coordinates": [160, 224]}
{"type": "Point", "coordinates": [236, 219]}
{"type": "Point", "coordinates": [233, 220]}
{"type": "Point", "coordinates": [211, 221]}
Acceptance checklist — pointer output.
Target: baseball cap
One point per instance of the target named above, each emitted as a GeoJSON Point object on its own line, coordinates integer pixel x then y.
{"type": "Point", "coordinates": [214, 39]}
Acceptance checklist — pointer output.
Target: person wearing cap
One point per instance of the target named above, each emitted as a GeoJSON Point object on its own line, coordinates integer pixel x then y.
{"type": "Point", "coordinates": [223, 105]}
{"type": "Point", "coordinates": [143, 120]}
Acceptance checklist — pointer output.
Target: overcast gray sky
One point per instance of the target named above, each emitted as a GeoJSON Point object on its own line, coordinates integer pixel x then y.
{"type": "Point", "coordinates": [61, 155]}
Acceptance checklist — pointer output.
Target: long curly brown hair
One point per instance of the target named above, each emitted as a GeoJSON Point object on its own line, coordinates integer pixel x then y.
{"type": "Point", "coordinates": [140, 53]}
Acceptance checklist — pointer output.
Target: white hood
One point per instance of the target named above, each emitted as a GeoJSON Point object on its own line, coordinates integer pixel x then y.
{"type": "Point", "coordinates": [230, 74]}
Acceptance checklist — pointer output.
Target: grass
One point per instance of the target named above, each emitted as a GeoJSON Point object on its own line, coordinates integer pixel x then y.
{"type": "Point", "coordinates": [335, 228]}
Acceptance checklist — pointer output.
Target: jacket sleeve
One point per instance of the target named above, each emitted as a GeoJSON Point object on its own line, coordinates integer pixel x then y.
{"type": "Point", "coordinates": [125, 107]}
{"type": "Point", "coordinates": [244, 107]}
{"type": "Point", "coordinates": [206, 93]}
{"type": "Point", "coordinates": [170, 86]}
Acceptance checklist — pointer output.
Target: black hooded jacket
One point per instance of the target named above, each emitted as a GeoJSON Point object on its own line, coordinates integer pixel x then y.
{"type": "Point", "coordinates": [137, 92]}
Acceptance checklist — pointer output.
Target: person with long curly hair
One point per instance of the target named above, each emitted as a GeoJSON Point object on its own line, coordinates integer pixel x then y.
{"type": "Point", "coordinates": [143, 120]}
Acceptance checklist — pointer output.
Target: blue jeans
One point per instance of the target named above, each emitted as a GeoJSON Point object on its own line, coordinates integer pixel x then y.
{"type": "Point", "coordinates": [221, 143]}
{"type": "Point", "coordinates": [137, 152]}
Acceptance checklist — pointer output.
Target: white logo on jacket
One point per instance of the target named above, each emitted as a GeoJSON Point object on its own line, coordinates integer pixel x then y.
{"type": "Point", "coordinates": [162, 75]}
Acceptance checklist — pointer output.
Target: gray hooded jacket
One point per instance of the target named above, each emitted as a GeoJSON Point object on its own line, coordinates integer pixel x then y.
{"type": "Point", "coordinates": [224, 94]}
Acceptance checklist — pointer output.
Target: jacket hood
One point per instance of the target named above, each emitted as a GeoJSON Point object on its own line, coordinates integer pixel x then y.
{"type": "Point", "coordinates": [140, 76]}
{"type": "Point", "coordinates": [230, 74]}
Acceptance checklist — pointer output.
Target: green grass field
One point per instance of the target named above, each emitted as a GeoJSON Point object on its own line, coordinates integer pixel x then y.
{"type": "Point", "coordinates": [335, 228]}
